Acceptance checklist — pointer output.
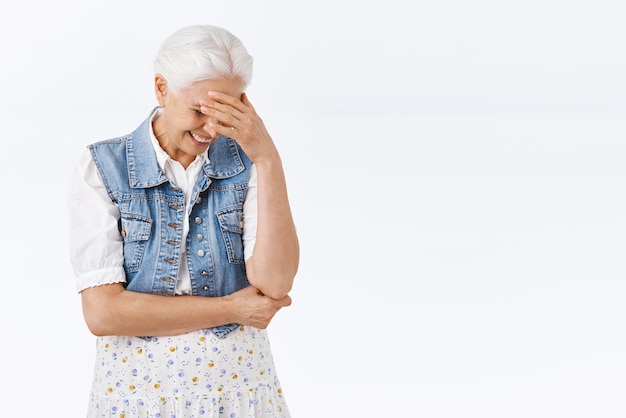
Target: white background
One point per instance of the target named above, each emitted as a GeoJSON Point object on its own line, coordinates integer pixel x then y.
{"type": "Point", "coordinates": [456, 171]}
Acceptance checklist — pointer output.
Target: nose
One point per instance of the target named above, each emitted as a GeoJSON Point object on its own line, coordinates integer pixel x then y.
{"type": "Point", "coordinates": [207, 127]}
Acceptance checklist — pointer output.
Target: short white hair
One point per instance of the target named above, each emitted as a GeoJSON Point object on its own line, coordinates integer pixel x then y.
{"type": "Point", "coordinates": [202, 52]}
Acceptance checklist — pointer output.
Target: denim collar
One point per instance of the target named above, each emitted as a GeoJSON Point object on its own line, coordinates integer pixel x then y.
{"type": "Point", "coordinates": [144, 171]}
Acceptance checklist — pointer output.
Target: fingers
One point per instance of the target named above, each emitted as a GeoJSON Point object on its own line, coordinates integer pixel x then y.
{"type": "Point", "coordinates": [277, 303]}
{"type": "Point", "coordinates": [226, 116]}
{"type": "Point", "coordinates": [227, 100]}
{"type": "Point", "coordinates": [255, 309]}
{"type": "Point", "coordinates": [237, 119]}
{"type": "Point", "coordinates": [226, 104]}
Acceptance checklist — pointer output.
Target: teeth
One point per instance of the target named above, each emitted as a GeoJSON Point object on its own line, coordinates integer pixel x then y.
{"type": "Point", "coordinates": [200, 139]}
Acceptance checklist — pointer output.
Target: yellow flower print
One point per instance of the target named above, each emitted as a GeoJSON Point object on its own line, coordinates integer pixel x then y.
{"type": "Point", "coordinates": [280, 391]}
{"type": "Point", "coordinates": [202, 339]}
{"type": "Point", "coordinates": [261, 372]}
{"type": "Point", "coordinates": [219, 389]}
{"type": "Point", "coordinates": [241, 328]}
{"type": "Point", "coordinates": [211, 364]}
{"type": "Point", "coordinates": [139, 351]}
{"type": "Point", "coordinates": [124, 360]}
{"type": "Point", "coordinates": [110, 390]}
{"type": "Point", "coordinates": [122, 415]}
{"type": "Point", "coordinates": [250, 351]}
{"type": "Point", "coordinates": [235, 376]}
{"type": "Point", "coordinates": [239, 358]}
{"type": "Point", "coordinates": [106, 345]}
{"type": "Point", "coordinates": [172, 349]}
{"type": "Point", "coordinates": [194, 379]}
{"type": "Point", "coordinates": [156, 386]}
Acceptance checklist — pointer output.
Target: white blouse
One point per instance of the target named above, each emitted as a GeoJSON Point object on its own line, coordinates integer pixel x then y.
{"type": "Point", "coordinates": [96, 247]}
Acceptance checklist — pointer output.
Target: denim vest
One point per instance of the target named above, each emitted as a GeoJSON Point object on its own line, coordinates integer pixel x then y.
{"type": "Point", "coordinates": [152, 211]}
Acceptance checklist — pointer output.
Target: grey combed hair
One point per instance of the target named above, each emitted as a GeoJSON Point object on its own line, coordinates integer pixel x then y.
{"type": "Point", "coordinates": [202, 52]}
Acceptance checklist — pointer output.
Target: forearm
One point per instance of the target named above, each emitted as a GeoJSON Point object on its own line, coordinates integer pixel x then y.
{"type": "Point", "coordinates": [113, 310]}
{"type": "Point", "coordinates": [275, 258]}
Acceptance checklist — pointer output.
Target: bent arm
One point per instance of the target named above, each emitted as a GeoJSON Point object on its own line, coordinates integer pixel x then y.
{"type": "Point", "coordinates": [96, 254]}
{"type": "Point", "coordinates": [274, 261]}
{"type": "Point", "coordinates": [112, 310]}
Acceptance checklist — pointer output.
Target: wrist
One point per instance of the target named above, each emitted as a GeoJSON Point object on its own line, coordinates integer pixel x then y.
{"type": "Point", "coordinates": [227, 307]}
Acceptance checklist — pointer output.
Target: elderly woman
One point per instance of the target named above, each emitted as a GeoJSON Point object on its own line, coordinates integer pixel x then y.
{"type": "Point", "coordinates": [183, 244]}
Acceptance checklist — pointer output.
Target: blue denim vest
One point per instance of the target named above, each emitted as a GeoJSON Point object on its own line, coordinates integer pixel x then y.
{"type": "Point", "coordinates": [152, 211]}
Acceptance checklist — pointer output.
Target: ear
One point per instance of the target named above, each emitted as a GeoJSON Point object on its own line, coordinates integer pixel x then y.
{"type": "Point", "coordinates": [160, 89]}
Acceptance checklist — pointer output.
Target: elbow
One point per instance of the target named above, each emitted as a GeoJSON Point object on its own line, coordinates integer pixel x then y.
{"type": "Point", "coordinates": [98, 332]}
{"type": "Point", "coordinates": [275, 280]}
{"type": "Point", "coordinates": [96, 325]}
{"type": "Point", "coordinates": [97, 314]}
{"type": "Point", "coordinates": [276, 292]}
{"type": "Point", "coordinates": [276, 287]}
{"type": "Point", "coordinates": [98, 321]}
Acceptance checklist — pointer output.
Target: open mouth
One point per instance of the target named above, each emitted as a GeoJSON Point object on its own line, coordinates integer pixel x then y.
{"type": "Point", "coordinates": [200, 138]}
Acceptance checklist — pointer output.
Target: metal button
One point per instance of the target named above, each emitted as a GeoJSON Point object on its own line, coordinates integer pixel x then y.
{"type": "Point", "coordinates": [199, 237]}
{"type": "Point", "coordinates": [198, 220]}
{"type": "Point", "coordinates": [205, 288]}
{"type": "Point", "coordinates": [201, 253]}
{"type": "Point", "coordinates": [204, 273]}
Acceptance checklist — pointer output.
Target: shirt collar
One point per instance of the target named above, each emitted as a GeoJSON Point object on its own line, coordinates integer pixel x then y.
{"type": "Point", "coordinates": [145, 169]}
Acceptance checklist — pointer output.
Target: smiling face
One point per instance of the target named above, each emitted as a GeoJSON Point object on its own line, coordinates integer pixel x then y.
{"type": "Point", "coordinates": [181, 129]}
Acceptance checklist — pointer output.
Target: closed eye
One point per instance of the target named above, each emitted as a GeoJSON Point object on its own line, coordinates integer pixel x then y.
{"type": "Point", "coordinates": [198, 112]}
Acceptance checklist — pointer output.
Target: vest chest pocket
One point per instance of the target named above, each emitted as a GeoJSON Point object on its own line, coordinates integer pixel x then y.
{"type": "Point", "coordinates": [231, 223]}
{"type": "Point", "coordinates": [135, 230]}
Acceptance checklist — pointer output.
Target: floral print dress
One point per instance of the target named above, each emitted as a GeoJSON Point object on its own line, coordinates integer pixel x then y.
{"type": "Point", "coordinates": [191, 375]}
